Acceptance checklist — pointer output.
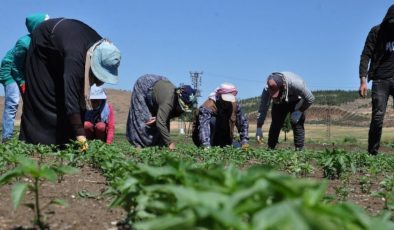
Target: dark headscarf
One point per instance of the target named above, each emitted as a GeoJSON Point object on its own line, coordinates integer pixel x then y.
{"type": "Point", "coordinates": [186, 96]}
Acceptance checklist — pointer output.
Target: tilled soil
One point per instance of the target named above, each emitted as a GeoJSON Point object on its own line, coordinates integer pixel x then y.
{"type": "Point", "coordinates": [87, 208]}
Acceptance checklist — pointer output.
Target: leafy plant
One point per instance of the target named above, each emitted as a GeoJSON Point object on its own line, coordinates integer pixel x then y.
{"type": "Point", "coordinates": [342, 191]}
{"type": "Point", "coordinates": [36, 173]}
{"type": "Point", "coordinates": [336, 162]}
{"type": "Point", "coordinates": [182, 196]}
{"type": "Point", "coordinates": [386, 192]}
{"type": "Point", "coordinates": [365, 184]}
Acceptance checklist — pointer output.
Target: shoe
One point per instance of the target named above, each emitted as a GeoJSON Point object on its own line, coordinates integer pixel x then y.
{"type": "Point", "coordinates": [373, 153]}
{"type": "Point", "coordinates": [299, 148]}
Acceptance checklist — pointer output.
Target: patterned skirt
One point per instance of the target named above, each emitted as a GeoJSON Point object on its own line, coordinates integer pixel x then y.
{"type": "Point", "coordinates": [138, 133]}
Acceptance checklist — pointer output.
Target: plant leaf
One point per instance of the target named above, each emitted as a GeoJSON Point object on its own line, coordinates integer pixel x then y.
{"type": "Point", "coordinates": [48, 174]}
{"type": "Point", "coordinates": [17, 194]}
{"type": "Point", "coordinates": [65, 169]}
{"type": "Point", "coordinates": [59, 202]}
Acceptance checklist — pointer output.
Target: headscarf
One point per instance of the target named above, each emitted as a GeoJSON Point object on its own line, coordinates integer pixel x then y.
{"type": "Point", "coordinates": [186, 97]}
{"type": "Point", "coordinates": [280, 81]}
{"type": "Point", "coordinates": [224, 88]}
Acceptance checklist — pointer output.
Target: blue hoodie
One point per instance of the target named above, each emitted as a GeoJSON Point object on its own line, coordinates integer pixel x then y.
{"type": "Point", "coordinates": [13, 63]}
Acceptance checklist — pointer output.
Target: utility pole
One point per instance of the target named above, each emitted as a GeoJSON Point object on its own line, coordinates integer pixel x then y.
{"type": "Point", "coordinates": [181, 121]}
{"type": "Point", "coordinates": [196, 82]}
{"type": "Point", "coordinates": [328, 121]}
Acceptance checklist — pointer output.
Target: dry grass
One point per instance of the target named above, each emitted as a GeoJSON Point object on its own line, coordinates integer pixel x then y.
{"type": "Point", "coordinates": [120, 100]}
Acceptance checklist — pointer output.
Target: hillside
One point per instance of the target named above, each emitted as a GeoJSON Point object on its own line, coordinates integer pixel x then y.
{"type": "Point", "coordinates": [120, 99]}
{"type": "Point", "coordinates": [337, 107]}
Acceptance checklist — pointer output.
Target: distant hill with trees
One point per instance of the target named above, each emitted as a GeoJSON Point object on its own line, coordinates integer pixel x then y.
{"type": "Point", "coordinates": [322, 97]}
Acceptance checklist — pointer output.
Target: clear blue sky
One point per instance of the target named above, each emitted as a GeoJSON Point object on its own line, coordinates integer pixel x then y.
{"type": "Point", "coordinates": [237, 41]}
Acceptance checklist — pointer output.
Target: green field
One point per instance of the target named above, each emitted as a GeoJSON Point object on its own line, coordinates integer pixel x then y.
{"type": "Point", "coordinates": [191, 188]}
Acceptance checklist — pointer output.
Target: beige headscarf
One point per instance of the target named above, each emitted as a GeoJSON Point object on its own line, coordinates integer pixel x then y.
{"type": "Point", "coordinates": [86, 103]}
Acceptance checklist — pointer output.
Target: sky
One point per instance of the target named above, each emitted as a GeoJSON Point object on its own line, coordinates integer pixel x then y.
{"type": "Point", "coordinates": [235, 41]}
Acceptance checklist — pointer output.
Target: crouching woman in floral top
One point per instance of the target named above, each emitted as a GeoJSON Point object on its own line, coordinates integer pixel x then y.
{"type": "Point", "coordinates": [100, 121]}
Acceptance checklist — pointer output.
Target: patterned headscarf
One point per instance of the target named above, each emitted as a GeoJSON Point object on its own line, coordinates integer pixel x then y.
{"type": "Point", "coordinates": [186, 97]}
{"type": "Point", "coordinates": [224, 88]}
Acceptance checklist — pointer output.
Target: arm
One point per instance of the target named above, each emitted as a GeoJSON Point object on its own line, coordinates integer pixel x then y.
{"type": "Point", "coordinates": [18, 67]}
{"type": "Point", "coordinates": [204, 131]}
{"type": "Point", "coordinates": [110, 125]}
{"type": "Point", "coordinates": [367, 52]}
{"type": "Point", "coordinates": [263, 108]}
{"type": "Point", "coordinates": [163, 118]}
{"type": "Point", "coordinates": [366, 56]}
{"type": "Point", "coordinates": [6, 66]}
{"type": "Point", "coordinates": [242, 125]}
{"type": "Point", "coordinates": [306, 95]}
{"type": "Point", "coordinates": [73, 77]}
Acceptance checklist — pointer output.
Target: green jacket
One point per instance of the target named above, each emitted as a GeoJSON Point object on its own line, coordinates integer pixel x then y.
{"type": "Point", "coordinates": [13, 64]}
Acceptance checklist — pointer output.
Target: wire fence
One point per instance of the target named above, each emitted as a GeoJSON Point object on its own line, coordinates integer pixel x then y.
{"type": "Point", "coordinates": [331, 120]}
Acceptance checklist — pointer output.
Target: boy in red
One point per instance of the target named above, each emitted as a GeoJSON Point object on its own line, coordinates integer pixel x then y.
{"type": "Point", "coordinates": [99, 122]}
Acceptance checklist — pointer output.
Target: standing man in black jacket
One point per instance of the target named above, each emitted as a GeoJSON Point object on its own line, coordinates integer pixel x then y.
{"type": "Point", "coordinates": [378, 52]}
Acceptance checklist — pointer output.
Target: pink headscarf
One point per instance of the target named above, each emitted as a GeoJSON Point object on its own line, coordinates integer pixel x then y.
{"type": "Point", "coordinates": [224, 88]}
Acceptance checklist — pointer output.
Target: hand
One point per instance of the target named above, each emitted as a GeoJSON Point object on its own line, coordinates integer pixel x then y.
{"type": "Point", "coordinates": [172, 146]}
{"type": "Point", "coordinates": [245, 147]}
{"type": "Point", "coordinates": [22, 88]}
{"type": "Point", "coordinates": [83, 144]}
{"type": "Point", "coordinates": [295, 117]}
{"type": "Point", "coordinates": [259, 135]}
{"type": "Point", "coordinates": [151, 121]}
{"type": "Point", "coordinates": [363, 88]}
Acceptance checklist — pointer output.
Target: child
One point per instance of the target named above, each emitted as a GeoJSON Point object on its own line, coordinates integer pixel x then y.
{"type": "Point", "coordinates": [99, 122]}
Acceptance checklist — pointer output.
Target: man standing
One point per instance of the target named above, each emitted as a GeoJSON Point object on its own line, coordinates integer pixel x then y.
{"type": "Point", "coordinates": [378, 52]}
{"type": "Point", "coordinates": [289, 95]}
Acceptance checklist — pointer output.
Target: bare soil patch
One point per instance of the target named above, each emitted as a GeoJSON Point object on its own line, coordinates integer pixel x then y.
{"type": "Point", "coordinates": [81, 213]}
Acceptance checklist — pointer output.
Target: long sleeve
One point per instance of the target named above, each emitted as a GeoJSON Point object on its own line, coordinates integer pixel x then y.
{"type": "Point", "coordinates": [73, 39]}
{"type": "Point", "coordinates": [20, 51]}
{"type": "Point", "coordinates": [164, 96]}
{"type": "Point", "coordinates": [367, 52]}
{"type": "Point", "coordinates": [242, 125]}
{"type": "Point", "coordinates": [204, 132]}
{"type": "Point", "coordinates": [6, 68]}
{"type": "Point", "coordinates": [265, 102]}
{"type": "Point", "coordinates": [162, 120]}
{"type": "Point", "coordinates": [73, 82]}
{"type": "Point", "coordinates": [298, 88]}
{"type": "Point", "coordinates": [308, 99]}
{"type": "Point", "coordinates": [110, 125]}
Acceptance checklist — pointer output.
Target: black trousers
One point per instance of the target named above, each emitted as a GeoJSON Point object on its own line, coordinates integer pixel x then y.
{"type": "Point", "coordinates": [278, 114]}
{"type": "Point", "coordinates": [381, 90]}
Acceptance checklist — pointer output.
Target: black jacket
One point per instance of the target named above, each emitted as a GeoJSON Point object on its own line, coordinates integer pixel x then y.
{"type": "Point", "coordinates": [374, 48]}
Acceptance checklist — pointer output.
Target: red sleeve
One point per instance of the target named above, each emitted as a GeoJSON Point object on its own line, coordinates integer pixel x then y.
{"type": "Point", "coordinates": [111, 125]}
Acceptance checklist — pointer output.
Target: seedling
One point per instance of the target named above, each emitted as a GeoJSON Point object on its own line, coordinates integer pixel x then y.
{"type": "Point", "coordinates": [35, 173]}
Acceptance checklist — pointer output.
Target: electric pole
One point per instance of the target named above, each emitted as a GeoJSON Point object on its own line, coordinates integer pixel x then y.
{"type": "Point", "coordinates": [196, 82]}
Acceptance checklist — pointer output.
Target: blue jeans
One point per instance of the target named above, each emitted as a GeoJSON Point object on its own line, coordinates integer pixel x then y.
{"type": "Point", "coordinates": [11, 103]}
